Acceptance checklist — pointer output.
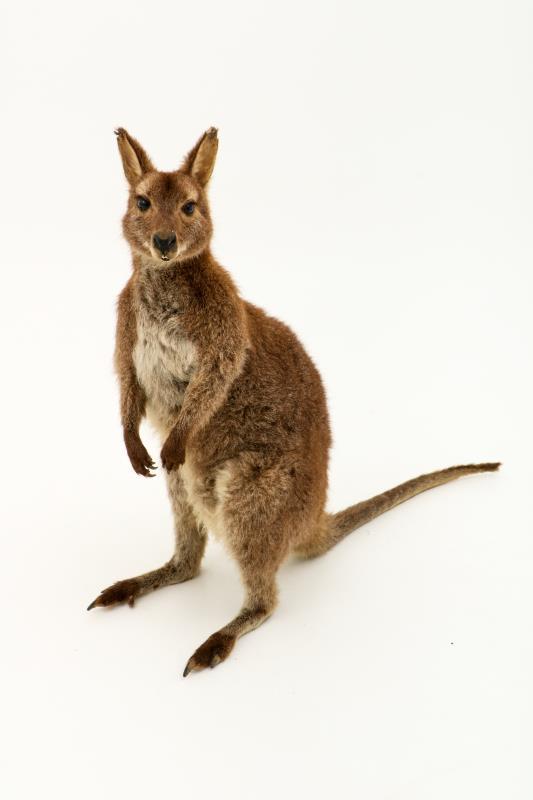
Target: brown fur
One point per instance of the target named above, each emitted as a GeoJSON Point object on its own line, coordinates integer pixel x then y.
{"type": "Point", "coordinates": [238, 403]}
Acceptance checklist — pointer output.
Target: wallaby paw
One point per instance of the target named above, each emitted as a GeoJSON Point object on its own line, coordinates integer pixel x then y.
{"type": "Point", "coordinates": [121, 592]}
{"type": "Point", "coordinates": [173, 452]}
{"type": "Point", "coordinates": [138, 454]}
{"type": "Point", "coordinates": [212, 652]}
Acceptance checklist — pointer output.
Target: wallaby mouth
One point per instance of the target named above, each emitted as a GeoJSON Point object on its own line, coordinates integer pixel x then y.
{"type": "Point", "coordinates": [157, 256]}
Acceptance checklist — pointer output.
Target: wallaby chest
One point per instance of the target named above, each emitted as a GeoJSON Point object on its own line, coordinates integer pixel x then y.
{"type": "Point", "coordinates": [164, 357]}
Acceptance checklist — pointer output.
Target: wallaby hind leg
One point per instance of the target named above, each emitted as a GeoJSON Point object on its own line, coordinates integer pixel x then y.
{"type": "Point", "coordinates": [259, 603]}
{"type": "Point", "coordinates": [258, 519]}
{"type": "Point", "coordinates": [184, 564]}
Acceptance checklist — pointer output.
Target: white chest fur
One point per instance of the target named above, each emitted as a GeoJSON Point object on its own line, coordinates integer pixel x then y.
{"type": "Point", "coordinates": [165, 362]}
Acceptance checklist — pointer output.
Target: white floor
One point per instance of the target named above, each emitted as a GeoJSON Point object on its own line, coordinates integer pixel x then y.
{"type": "Point", "coordinates": [373, 190]}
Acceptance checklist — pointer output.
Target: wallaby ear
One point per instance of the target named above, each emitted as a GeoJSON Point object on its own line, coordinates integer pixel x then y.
{"type": "Point", "coordinates": [134, 159]}
{"type": "Point", "coordinates": [201, 160]}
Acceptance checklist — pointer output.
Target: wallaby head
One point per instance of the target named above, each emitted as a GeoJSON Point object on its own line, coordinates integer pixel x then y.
{"type": "Point", "coordinates": [168, 218]}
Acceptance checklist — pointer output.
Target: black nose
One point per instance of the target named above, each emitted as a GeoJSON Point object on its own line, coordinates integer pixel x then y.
{"type": "Point", "coordinates": [164, 243]}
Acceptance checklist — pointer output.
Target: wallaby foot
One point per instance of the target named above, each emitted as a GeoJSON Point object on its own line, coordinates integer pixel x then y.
{"type": "Point", "coordinates": [129, 590]}
{"type": "Point", "coordinates": [214, 650]}
{"type": "Point", "coordinates": [220, 644]}
{"type": "Point", "coordinates": [120, 592]}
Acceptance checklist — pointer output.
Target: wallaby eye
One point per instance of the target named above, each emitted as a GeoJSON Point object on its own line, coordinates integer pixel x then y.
{"type": "Point", "coordinates": [188, 208]}
{"type": "Point", "coordinates": [143, 203]}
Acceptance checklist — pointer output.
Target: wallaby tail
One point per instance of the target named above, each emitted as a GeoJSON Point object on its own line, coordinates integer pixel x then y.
{"type": "Point", "coordinates": [334, 527]}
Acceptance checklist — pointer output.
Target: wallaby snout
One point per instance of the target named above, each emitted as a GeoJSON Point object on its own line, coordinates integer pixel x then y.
{"type": "Point", "coordinates": [164, 242]}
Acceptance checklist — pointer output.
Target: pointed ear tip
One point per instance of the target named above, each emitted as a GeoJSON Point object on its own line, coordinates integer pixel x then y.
{"type": "Point", "coordinates": [212, 133]}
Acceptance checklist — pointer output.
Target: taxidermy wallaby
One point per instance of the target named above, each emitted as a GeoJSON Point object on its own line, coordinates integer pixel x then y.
{"type": "Point", "coordinates": [238, 403]}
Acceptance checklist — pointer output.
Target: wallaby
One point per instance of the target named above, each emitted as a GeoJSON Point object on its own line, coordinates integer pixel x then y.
{"type": "Point", "coordinates": [238, 403]}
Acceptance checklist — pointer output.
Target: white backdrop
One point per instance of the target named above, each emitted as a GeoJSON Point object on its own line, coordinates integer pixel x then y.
{"type": "Point", "coordinates": [373, 190]}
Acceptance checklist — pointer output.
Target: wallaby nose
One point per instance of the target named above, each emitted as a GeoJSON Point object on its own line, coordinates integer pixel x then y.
{"type": "Point", "coordinates": [164, 242]}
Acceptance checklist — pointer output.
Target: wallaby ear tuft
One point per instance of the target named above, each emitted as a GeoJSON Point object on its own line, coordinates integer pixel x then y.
{"type": "Point", "coordinates": [134, 159]}
{"type": "Point", "coordinates": [201, 160]}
